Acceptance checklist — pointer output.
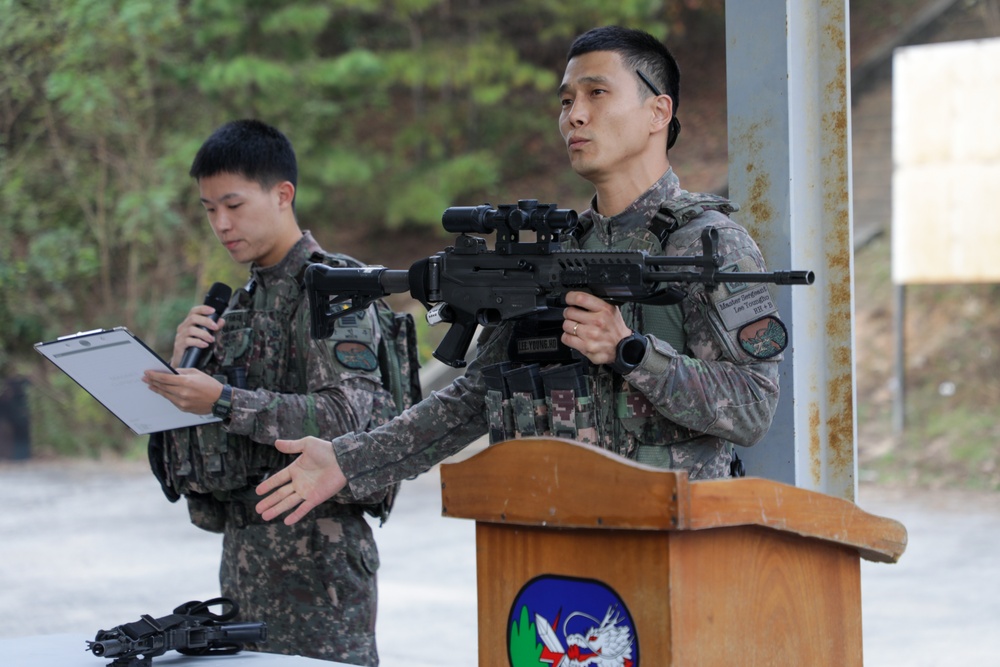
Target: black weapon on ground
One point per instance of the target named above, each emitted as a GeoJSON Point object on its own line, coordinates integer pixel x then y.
{"type": "Point", "coordinates": [467, 284]}
{"type": "Point", "coordinates": [192, 630]}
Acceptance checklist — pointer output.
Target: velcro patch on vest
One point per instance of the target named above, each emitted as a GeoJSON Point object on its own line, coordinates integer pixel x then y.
{"type": "Point", "coordinates": [356, 355]}
{"type": "Point", "coordinates": [527, 347]}
{"type": "Point", "coordinates": [538, 341]}
{"type": "Point", "coordinates": [764, 338]}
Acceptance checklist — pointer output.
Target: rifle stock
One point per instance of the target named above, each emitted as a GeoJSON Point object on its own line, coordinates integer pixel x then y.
{"type": "Point", "coordinates": [467, 285]}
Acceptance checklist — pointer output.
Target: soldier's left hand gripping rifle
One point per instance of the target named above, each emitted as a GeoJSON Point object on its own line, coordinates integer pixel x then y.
{"type": "Point", "coordinates": [467, 284]}
{"type": "Point", "coordinates": [191, 630]}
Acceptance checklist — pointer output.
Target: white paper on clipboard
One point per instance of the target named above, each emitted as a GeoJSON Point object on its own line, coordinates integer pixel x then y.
{"type": "Point", "coordinates": [109, 364]}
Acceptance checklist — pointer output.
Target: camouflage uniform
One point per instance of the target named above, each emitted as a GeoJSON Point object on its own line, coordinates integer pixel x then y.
{"type": "Point", "coordinates": [314, 583]}
{"type": "Point", "coordinates": [709, 378]}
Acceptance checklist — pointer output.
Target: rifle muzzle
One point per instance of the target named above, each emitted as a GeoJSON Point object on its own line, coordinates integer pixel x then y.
{"type": "Point", "coordinates": [108, 647]}
{"type": "Point", "coordinates": [794, 277]}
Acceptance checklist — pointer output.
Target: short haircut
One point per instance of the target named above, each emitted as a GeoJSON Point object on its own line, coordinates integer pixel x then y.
{"type": "Point", "coordinates": [641, 52]}
{"type": "Point", "coordinates": [248, 148]}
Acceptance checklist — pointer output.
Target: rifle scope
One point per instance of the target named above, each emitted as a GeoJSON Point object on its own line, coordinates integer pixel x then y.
{"type": "Point", "coordinates": [526, 215]}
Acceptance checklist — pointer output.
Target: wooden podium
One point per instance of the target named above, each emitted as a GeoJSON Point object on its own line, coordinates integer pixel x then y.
{"type": "Point", "coordinates": [722, 572]}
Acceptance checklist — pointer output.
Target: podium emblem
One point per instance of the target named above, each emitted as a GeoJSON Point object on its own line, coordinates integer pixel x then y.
{"type": "Point", "coordinates": [570, 622]}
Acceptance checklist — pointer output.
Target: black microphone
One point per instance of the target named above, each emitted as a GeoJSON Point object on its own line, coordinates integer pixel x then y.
{"type": "Point", "coordinates": [218, 298]}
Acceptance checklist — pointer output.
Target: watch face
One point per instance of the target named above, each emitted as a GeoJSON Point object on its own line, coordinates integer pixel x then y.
{"type": "Point", "coordinates": [631, 350]}
{"type": "Point", "coordinates": [629, 353]}
{"type": "Point", "coordinates": [222, 407]}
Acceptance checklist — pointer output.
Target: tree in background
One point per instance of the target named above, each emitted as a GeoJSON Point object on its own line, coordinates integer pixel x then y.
{"type": "Point", "coordinates": [398, 109]}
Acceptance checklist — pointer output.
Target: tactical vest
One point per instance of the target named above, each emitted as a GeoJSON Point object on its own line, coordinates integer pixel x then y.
{"type": "Point", "coordinates": [592, 404]}
{"type": "Point", "coordinates": [216, 470]}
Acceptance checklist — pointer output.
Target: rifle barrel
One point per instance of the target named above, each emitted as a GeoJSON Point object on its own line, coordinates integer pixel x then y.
{"type": "Point", "coordinates": [776, 277]}
{"type": "Point", "coordinates": [711, 277]}
{"type": "Point", "coordinates": [243, 632]}
{"type": "Point", "coordinates": [795, 277]}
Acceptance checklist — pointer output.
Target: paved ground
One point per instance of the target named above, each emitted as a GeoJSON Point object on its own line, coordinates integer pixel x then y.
{"type": "Point", "coordinates": [85, 546]}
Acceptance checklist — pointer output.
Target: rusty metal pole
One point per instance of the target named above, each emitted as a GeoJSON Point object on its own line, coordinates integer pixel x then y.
{"type": "Point", "coordinates": [789, 108]}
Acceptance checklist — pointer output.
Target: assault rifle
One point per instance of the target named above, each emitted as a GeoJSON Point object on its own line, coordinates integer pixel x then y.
{"type": "Point", "coordinates": [467, 284]}
{"type": "Point", "coordinates": [191, 630]}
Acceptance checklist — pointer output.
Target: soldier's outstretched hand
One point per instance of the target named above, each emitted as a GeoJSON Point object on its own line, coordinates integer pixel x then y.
{"type": "Point", "coordinates": [314, 477]}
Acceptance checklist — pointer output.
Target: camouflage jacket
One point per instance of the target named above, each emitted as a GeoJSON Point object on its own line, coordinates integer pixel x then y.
{"type": "Point", "coordinates": [285, 383]}
{"type": "Point", "coordinates": [679, 408]}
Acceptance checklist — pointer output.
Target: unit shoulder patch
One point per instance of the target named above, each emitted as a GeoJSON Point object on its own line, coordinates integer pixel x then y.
{"type": "Point", "coordinates": [356, 355]}
{"type": "Point", "coordinates": [763, 338]}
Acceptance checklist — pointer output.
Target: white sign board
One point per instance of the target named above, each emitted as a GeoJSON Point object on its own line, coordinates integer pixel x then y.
{"type": "Point", "coordinates": [946, 163]}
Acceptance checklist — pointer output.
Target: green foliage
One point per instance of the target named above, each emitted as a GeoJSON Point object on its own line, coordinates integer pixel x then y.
{"type": "Point", "coordinates": [302, 20]}
{"type": "Point", "coordinates": [397, 109]}
{"type": "Point", "coordinates": [430, 191]}
{"type": "Point", "coordinates": [950, 432]}
{"type": "Point", "coordinates": [570, 19]}
{"type": "Point", "coordinates": [67, 421]}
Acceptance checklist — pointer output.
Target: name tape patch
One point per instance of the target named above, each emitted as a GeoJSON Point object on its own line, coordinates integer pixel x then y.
{"type": "Point", "coordinates": [746, 306]}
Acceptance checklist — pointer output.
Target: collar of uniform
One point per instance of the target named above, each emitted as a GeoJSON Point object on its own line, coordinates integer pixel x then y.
{"type": "Point", "coordinates": [290, 266]}
{"type": "Point", "coordinates": [638, 214]}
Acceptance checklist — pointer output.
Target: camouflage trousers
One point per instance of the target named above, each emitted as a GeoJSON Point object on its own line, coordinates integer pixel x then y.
{"type": "Point", "coordinates": [313, 583]}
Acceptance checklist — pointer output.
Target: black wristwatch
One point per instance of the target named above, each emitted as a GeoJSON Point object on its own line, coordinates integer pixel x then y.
{"type": "Point", "coordinates": [224, 405]}
{"type": "Point", "coordinates": [629, 353]}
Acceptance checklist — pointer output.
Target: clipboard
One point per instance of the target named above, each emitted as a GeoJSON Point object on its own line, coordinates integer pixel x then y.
{"type": "Point", "coordinates": [108, 364]}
